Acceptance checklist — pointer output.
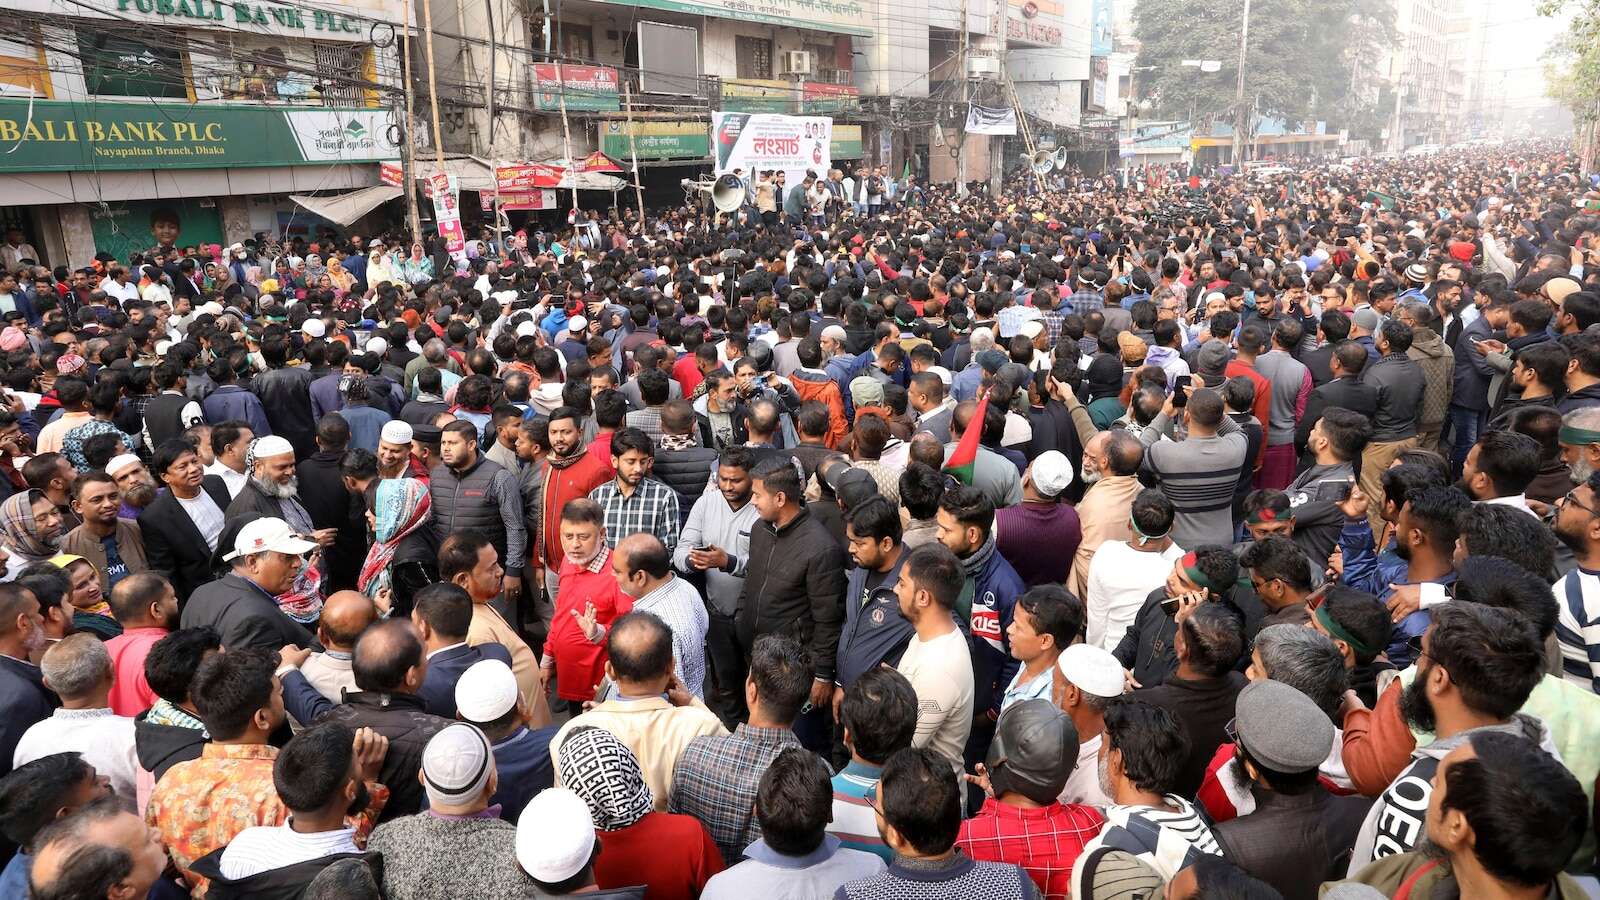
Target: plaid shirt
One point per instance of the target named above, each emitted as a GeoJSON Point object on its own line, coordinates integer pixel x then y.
{"type": "Point", "coordinates": [1084, 302]}
{"type": "Point", "coordinates": [1052, 323]}
{"type": "Point", "coordinates": [1045, 842]}
{"type": "Point", "coordinates": [653, 509]}
{"type": "Point", "coordinates": [716, 778]}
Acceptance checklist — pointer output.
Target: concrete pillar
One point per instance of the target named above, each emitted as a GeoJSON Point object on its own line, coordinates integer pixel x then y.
{"type": "Point", "coordinates": [77, 234]}
{"type": "Point", "coordinates": [235, 213]}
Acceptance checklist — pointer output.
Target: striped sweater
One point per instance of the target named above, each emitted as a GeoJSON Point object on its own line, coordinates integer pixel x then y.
{"type": "Point", "coordinates": [1199, 476]}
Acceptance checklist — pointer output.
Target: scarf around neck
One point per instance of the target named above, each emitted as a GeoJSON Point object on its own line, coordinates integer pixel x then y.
{"type": "Point", "coordinates": [974, 564]}
{"type": "Point", "coordinates": [561, 462]}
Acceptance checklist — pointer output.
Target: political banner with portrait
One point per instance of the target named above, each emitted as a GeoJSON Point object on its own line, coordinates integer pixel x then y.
{"type": "Point", "coordinates": [764, 142]}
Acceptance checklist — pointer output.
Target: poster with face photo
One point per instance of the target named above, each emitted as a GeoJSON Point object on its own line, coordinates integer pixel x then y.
{"type": "Point", "coordinates": [137, 226]}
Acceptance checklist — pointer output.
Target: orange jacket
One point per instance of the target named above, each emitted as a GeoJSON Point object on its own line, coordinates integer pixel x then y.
{"type": "Point", "coordinates": [818, 386]}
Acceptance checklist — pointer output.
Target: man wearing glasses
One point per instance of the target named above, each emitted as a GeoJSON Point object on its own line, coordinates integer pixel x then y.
{"type": "Point", "coordinates": [1577, 524]}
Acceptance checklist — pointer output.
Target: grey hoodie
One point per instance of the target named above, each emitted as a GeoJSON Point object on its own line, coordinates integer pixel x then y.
{"type": "Point", "coordinates": [1395, 824]}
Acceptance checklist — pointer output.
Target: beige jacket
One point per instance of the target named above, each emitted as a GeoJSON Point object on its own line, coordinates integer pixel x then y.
{"type": "Point", "coordinates": [1103, 516]}
{"type": "Point", "coordinates": [655, 730]}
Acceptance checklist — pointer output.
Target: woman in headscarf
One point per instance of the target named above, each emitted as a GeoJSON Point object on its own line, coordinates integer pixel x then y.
{"type": "Point", "coordinates": [342, 280]}
{"type": "Point", "coordinates": [314, 269]}
{"type": "Point", "coordinates": [379, 270]}
{"type": "Point", "coordinates": [30, 530]}
{"type": "Point", "coordinates": [90, 611]}
{"type": "Point", "coordinates": [404, 548]}
{"type": "Point", "coordinates": [1104, 381]}
{"type": "Point", "coordinates": [417, 267]}
{"type": "Point", "coordinates": [672, 855]}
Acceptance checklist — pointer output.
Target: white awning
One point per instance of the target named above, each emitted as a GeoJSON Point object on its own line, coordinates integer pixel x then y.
{"type": "Point", "coordinates": [345, 209]}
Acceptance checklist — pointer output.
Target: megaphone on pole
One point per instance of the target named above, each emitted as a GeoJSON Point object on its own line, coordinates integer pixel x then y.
{"type": "Point", "coordinates": [1043, 161]}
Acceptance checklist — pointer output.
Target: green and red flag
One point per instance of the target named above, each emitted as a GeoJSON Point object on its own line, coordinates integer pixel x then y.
{"type": "Point", "coordinates": [963, 460]}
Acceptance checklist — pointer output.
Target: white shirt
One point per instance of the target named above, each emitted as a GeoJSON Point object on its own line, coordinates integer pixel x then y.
{"type": "Point", "coordinates": [940, 671]}
{"type": "Point", "coordinates": [1120, 578]}
{"type": "Point", "coordinates": [678, 604]}
{"type": "Point", "coordinates": [104, 738]}
{"type": "Point", "coordinates": [205, 515]}
{"type": "Point", "coordinates": [123, 292]}
{"type": "Point", "coordinates": [1083, 785]}
{"type": "Point", "coordinates": [263, 848]}
{"type": "Point", "coordinates": [234, 480]}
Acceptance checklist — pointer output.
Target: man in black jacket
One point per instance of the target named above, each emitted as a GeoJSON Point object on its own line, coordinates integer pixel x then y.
{"type": "Point", "coordinates": [266, 556]}
{"type": "Point", "coordinates": [1332, 330]}
{"type": "Point", "coordinates": [181, 526]}
{"type": "Point", "coordinates": [390, 667]}
{"type": "Point", "coordinates": [1400, 383]}
{"type": "Point", "coordinates": [442, 614]}
{"type": "Point", "coordinates": [1344, 389]}
{"type": "Point", "coordinates": [285, 393]}
{"type": "Point", "coordinates": [331, 505]}
{"type": "Point", "coordinates": [680, 463]}
{"type": "Point", "coordinates": [794, 585]}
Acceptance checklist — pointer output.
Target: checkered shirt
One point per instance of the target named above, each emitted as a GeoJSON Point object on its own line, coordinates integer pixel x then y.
{"type": "Point", "coordinates": [653, 509]}
{"type": "Point", "coordinates": [1084, 302]}
{"type": "Point", "coordinates": [1045, 842]}
{"type": "Point", "coordinates": [716, 778]}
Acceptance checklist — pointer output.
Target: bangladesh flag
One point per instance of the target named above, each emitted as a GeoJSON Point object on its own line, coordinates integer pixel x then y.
{"type": "Point", "coordinates": [964, 459]}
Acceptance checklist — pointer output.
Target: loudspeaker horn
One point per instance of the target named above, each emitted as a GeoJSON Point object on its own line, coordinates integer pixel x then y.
{"type": "Point", "coordinates": [727, 194]}
{"type": "Point", "coordinates": [1043, 161]}
{"type": "Point", "coordinates": [1061, 157]}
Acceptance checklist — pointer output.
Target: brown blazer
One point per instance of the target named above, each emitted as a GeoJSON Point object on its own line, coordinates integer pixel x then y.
{"type": "Point", "coordinates": [130, 545]}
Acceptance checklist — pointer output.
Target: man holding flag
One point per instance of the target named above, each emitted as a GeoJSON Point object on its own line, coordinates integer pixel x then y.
{"type": "Point", "coordinates": [972, 463]}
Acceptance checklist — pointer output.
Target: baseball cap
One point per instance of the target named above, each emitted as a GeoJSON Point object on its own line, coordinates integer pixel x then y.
{"type": "Point", "coordinates": [313, 328]}
{"type": "Point", "coordinates": [456, 765]}
{"type": "Point", "coordinates": [1092, 669]}
{"type": "Point", "coordinates": [486, 691]}
{"type": "Point", "coordinates": [396, 431]}
{"type": "Point", "coordinates": [555, 836]}
{"type": "Point", "coordinates": [269, 535]}
{"type": "Point", "coordinates": [1281, 727]}
{"type": "Point", "coordinates": [1051, 473]}
{"type": "Point", "coordinates": [866, 391]}
{"type": "Point", "coordinates": [1107, 874]}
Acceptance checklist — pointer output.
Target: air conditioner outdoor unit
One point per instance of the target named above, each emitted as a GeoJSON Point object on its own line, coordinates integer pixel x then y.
{"type": "Point", "coordinates": [797, 62]}
{"type": "Point", "coordinates": [983, 67]}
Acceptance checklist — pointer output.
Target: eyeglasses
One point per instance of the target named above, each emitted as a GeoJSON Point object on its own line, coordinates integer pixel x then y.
{"type": "Point", "coordinates": [1415, 646]}
{"type": "Point", "coordinates": [872, 800]}
{"type": "Point", "coordinates": [1231, 730]}
{"type": "Point", "coordinates": [1571, 497]}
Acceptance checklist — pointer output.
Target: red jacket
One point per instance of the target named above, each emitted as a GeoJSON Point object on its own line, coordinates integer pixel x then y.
{"type": "Point", "coordinates": [560, 486]}
{"type": "Point", "coordinates": [687, 374]}
{"type": "Point", "coordinates": [581, 664]}
{"type": "Point", "coordinates": [818, 386]}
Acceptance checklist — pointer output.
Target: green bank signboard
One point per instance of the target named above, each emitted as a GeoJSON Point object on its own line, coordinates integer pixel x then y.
{"type": "Point", "coordinates": [65, 136]}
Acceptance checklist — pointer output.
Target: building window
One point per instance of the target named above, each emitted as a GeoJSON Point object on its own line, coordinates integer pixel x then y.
{"type": "Point", "coordinates": [754, 57]}
{"type": "Point", "coordinates": [577, 42]}
{"type": "Point", "coordinates": [118, 65]}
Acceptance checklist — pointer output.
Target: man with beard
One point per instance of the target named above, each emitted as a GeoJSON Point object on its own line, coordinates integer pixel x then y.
{"type": "Point", "coordinates": [324, 776]}
{"type": "Point", "coordinates": [181, 527]}
{"type": "Point", "coordinates": [1475, 843]}
{"type": "Point", "coordinates": [1476, 667]}
{"type": "Point", "coordinates": [1139, 761]}
{"type": "Point", "coordinates": [23, 696]}
{"type": "Point", "coordinates": [147, 608]}
{"type": "Point", "coordinates": [1577, 595]}
{"type": "Point", "coordinates": [1111, 462]}
{"type": "Point", "coordinates": [471, 492]}
{"type": "Point", "coordinates": [1580, 442]}
{"type": "Point", "coordinates": [138, 488]}
{"type": "Point", "coordinates": [113, 545]}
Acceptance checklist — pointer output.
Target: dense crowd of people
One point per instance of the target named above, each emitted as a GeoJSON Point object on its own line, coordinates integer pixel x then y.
{"type": "Point", "coordinates": [1213, 536]}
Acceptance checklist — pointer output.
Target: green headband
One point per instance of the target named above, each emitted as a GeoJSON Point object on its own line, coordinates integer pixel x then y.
{"type": "Point", "coordinates": [1337, 631]}
{"type": "Point", "coordinates": [1191, 568]}
{"type": "Point", "coordinates": [1578, 437]}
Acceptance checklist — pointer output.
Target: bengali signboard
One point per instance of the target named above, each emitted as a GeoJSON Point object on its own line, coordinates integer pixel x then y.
{"type": "Point", "coordinates": [447, 213]}
{"type": "Point", "coordinates": [762, 142]}
{"type": "Point", "coordinates": [68, 136]}
{"type": "Point", "coordinates": [392, 174]}
{"type": "Point", "coordinates": [349, 21]}
{"type": "Point", "coordinates": [587, 88]}
{"type": "Point", "coordinates": [656, 140]}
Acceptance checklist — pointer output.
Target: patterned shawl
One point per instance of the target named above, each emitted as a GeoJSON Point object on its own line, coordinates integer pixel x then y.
{"type": "Point", "coordinates": [402, 506]}
{"type": "Point", "coordinates": [605, 773]}
{"type": "Point", "coordinates": [21, 532]}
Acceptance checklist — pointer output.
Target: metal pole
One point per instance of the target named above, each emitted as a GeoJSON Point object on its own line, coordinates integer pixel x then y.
{"type": "Point", "coordinates": [1240, 114]}
{"type": "Point", "coordinates": [633, 151]}
{"type": "Point", "coordinates": [408, 157]}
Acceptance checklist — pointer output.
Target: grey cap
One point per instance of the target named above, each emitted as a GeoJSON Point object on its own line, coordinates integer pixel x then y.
{"type": "Point", "coordinates": [1366, 319]}
{"type": "Point", "coordinates": [1213, 357]}
{"type": "Point", "coordinates": [1034, 749]}
{"type": "Point", "coordinates": [1282, 728]}
{"type": "Point", "coordinates": [1108, 874]}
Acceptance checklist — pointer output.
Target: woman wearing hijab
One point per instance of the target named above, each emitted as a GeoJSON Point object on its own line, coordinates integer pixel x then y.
{"type": "Point", "coordinates": [672, 855]}
{"type": "Point", "coordinates": [314, 269]}
{"type": "Point", "coordinates": [418, 267]}
{"type": "Point", "coordinates": [90, 611]}
{"type": "Point", "coordinates": [379, 270]}
{"type": "Point", "coordinates": [30, 531]}
{"type": "Point", "coordinates": [342, 280]}
{"type": "Point", "coordinates": [404, 548]}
